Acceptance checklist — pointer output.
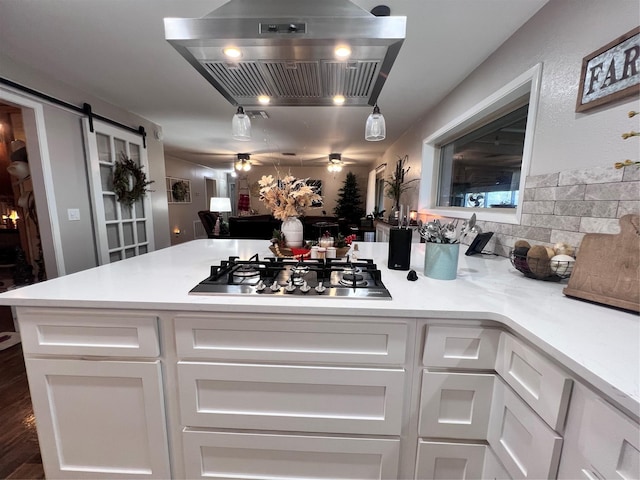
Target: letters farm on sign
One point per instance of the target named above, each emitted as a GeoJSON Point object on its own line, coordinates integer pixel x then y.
{"type": "Point", "coordinates": [610, 73]}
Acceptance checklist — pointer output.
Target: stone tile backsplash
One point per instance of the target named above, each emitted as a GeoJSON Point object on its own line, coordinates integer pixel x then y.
{"type": "Point", "coordinates": [564, 206]}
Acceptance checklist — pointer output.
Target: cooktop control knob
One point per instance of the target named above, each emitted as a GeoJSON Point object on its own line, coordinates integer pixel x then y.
{"type": "Point", "coordinates": [275, 287]}
{"type": "Point", "coordinates": [320, 288]}
{"type": "Point", "coordinates": [260, 286]}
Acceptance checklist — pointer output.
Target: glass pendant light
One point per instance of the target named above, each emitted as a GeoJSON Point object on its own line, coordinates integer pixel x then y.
{"type": "Point", "coordinates": [375, 129]}
{"type": "Point", "coordinates": [241, 126]}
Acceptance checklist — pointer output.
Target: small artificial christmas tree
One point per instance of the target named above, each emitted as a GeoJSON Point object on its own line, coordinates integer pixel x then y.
{"type": "Point", "coordinates": [349, 205]}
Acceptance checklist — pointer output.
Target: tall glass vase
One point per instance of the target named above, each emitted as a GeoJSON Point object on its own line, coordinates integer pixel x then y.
{"type": "Point", "coordinates": [292, 230]}
{"type": "Point", "coordinates": [394, 214]}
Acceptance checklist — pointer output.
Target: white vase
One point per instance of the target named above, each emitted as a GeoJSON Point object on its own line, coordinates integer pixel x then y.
{"type": "Point", "coordinates": [292, 230]}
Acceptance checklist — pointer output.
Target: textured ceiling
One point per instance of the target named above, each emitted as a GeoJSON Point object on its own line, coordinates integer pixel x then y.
{"type": "Point", "coordinates": [115, 49]}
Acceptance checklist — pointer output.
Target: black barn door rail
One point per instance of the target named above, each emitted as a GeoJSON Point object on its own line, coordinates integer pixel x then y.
{"type": "Point", "coordinates": [85, 109]}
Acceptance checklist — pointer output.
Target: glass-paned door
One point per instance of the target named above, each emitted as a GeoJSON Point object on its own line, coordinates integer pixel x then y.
{"type": "Point", "coordinates": [122, 231]}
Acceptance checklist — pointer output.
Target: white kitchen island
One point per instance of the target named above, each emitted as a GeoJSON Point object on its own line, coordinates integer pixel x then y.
{"type": "Point", "coordinates": [491, 375]}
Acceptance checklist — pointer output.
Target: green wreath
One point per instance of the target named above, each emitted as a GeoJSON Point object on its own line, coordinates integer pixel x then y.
{"type": "Point", "coordinates": [179, 190]}
{"type": "Point", "coordinates": [125, 171]}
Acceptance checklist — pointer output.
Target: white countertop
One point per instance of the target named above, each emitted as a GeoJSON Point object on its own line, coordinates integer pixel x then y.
{"type": "Point", "coordinates": [599, 344]}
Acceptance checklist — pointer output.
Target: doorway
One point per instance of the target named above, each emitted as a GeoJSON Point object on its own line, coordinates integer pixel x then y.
{"type": "Point", "coordinates": [21, 254]}
{"type": "Point", "coordinates": [210, 190]}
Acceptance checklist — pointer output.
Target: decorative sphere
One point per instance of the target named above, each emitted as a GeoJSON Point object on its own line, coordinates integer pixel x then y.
{"type": "Point", "coordinates": [562, 265]}
{"type": "Point", "coordinates": [563, 248]}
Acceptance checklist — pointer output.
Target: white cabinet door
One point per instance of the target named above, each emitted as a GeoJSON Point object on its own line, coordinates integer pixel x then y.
{"type": "Point", "coordinates": [230, 455]}
{"type": "Point", "coordinates": [455, 405]}
{"type": "Point", "coordinates": [600, 442]}
{"type": "Point", "coordinates": [493, 469]}
{"type": "Point", "coordinates": [523, 442]}
{"type": "Point", "coordinates": [291, 398]}
{"type": "Point", "coordinates": [439, 460]}
{"type": "Point", "coordinates": [540, 383]}
{"type": "Point", "coordinates": [99, 419]}
{"type": "Point", "coordinates": [382, 233]}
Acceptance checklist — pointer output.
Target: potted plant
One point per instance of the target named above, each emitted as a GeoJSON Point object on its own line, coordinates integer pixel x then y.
{"type": "Point", "coordinates": [396, 186]}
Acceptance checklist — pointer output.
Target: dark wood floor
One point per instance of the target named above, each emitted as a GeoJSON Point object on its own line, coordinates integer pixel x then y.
{"type": "Point", "coordinates": [19, 451]}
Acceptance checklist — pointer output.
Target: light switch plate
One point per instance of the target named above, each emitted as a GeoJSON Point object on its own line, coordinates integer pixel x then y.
{"type": "Point", "coordinates": [73, 214]}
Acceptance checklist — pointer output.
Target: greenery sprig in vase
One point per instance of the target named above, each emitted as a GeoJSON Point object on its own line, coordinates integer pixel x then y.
{"type": "Point", "coordinates": [396, 185]}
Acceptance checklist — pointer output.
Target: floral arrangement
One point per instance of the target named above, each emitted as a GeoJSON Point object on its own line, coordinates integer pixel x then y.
{"type": "Point", "coordinates": [287, 197]}
{"type": "Point", "coordinates": [436, 232]}
{"type": "Point", "coordinates": [343, 241]}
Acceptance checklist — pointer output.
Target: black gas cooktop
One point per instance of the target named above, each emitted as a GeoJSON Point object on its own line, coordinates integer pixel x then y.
{"type": "Point", "coordinates": [331, 277]}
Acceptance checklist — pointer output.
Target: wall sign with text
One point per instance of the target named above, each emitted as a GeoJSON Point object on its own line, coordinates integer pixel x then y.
{"type": "Point", "coordinates": [611, 72]}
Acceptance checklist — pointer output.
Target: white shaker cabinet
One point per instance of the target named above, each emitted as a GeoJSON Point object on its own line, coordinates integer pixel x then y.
{"type": "Point", "coordinates": [524, 443]}
{"type": "Point", "coordinates": [382, 231]}
{"type": "Point", "coordinates": [600, 442]}
{"type": "Point", "coordinates": [467, 396]}
{"type": "Point", "coordinates": [304, 398]}
{"type": "Point", "coordinates": [107, 418]}
{"type": "Point", "coordinates": [97, 394]}
{"type": "Point", "coordinates": [121, 394]}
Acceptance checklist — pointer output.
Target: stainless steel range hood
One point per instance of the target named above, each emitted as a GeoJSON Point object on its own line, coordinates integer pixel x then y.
{"type": "Point", "coordinates": [288, 50]}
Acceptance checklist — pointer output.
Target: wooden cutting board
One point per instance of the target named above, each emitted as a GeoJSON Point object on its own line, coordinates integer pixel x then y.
{"type": "Point", "coordinates": [607, 268]}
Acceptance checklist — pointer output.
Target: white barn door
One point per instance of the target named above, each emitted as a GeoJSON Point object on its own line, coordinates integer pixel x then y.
{"type": "Point", "coordinates": [121, 231]}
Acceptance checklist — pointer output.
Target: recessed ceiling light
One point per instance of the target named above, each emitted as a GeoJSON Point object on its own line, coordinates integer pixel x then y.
{"type": "Point", "coordinates": [264, 100]}
{"type": "Point", "coordinates": [338, 100]}
{"type": "Point", "coordinates": [342, 52]}
{"type": "Point", "coordinates": [232, 52]}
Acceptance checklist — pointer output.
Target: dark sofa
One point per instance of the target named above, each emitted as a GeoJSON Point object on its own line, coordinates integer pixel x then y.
{"type": "Point", "coordinates": [261, 227]}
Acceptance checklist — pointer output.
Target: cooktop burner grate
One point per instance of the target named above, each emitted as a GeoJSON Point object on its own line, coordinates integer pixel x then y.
{"type": "Point", "coordinates": [338, 278]}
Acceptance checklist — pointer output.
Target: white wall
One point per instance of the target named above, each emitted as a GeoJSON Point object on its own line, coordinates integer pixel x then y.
{"type": "Point", "coordinates": [331, 183]}
{"type": "Point", "coordinates": [558, 36]}
{"type": "Point", "coordinates": [182, 215]}
{"type": "Point", "coordinates": [68, 164]}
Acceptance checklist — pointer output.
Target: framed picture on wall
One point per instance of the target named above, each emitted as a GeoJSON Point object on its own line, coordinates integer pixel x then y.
{"type": "Point", "coordinates": [316, 185]}
{"type": "Point", "coordinates": [178, 190]}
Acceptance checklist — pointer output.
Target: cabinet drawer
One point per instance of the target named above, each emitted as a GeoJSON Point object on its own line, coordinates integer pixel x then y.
{"type": "Point", "coordinates": [525, 445]}
{"type": "Point", "coordinates": [455, 405]}
{"type": "Point", "coordinates": [438, 460]}
{"type": "Point", "coordinates": [291, 398]}
{"type": "Point", "coordinates": [600, 442]}
{"type": "Point", "coordinates": [89, 332]}
{"type": "Point", "coordinates": [342, 342]}
{"type": "Point", "coordinates": [543, 385]}
{"type": "Point", "coordinates": [461, 347]}
{"type": "Point", "coordinates": [249, 455]}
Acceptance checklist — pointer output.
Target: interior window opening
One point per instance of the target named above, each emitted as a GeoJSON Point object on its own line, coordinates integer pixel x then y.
{"type": "Point", "coordinates": [482, 168]}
